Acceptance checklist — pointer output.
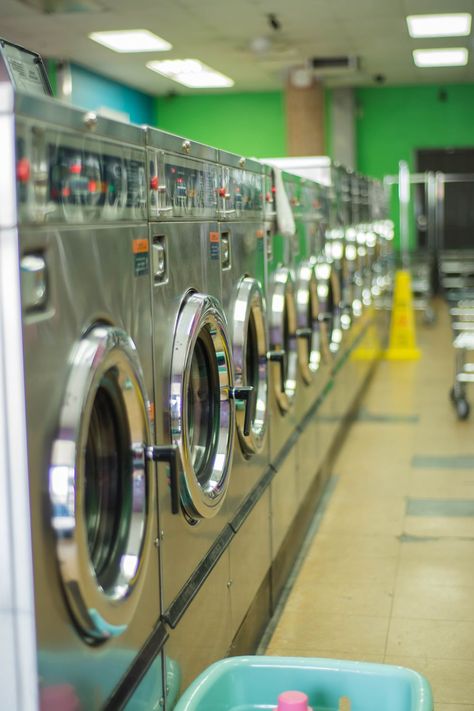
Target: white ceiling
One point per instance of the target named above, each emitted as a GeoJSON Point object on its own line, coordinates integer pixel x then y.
{"type": "Point", "coordinates": [219, 33]}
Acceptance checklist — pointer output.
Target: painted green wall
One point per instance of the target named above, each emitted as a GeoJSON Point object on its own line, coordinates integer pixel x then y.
{"type": "Point", "coordinates": [252, 124]}
{"type": "Point", "coordinates": [393, 121]}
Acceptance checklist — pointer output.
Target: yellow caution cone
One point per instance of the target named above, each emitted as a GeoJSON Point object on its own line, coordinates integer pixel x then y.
{"type": "Point", "coordinates": [402, 344]}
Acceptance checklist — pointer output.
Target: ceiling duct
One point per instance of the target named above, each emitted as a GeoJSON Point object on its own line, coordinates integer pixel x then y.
{"type": "Point", "coordinates": [49, 7]}
{"type": "Point", "coordinates": [332, 66]}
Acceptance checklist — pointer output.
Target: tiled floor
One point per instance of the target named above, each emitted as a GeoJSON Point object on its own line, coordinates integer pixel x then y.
{"type": "Point", "coordinates": [389, 576]}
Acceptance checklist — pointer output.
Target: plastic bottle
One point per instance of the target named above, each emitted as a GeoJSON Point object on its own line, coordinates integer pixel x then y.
{"type": "Point", "coordinates": [293, 701]}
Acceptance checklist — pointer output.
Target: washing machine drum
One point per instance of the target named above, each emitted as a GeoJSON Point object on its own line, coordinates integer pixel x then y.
{"type": "Point", "coordinates": [311, 330]}
{"type": "Point", "coordinates": [101, 489]}
{"type": "Point", "coordinates": [329, 295]}
{"type": "Point", "coordinates": [250, 349]}
{"type": "Point", "coordinates": [283, 355]}
{"type": "Point", "coordinates": [202, 411]}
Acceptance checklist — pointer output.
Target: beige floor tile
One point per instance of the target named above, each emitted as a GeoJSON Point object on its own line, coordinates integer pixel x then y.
{"type": "Point", "coordinates": [332, 654]}
{"type": "Point", "coordinates": [349, 570]}
{"type": "Point", "coordinates": [415, 600]}
{"type": "Point", "coordinates": [353, 634]}
{"type": "Point", "coordinates": [329, 545]}
{"type": "Point", "coordinates": [437, 639]}
{"type": "Point", "coordinates": [365, 515]}
{"type": "Point", "coordinates": [453, 527]}
{"type": "Point", "coordinates": [441, 484]}
{"type": "Point", "coordinates": [452, 681]}
{"type": "Point", "coordinates": [343, 598]}
{"type": "Point", "coordinates": [456, 551]}
{"type": "Point", "coordinates": [454, 707]}
{"type": "Point", "coordinates": [437, 571]}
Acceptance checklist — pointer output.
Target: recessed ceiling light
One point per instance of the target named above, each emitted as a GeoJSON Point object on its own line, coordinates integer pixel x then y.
{"type": "Point", "coordinates": [191, 72]}
{"type": "Point", "coordinates": [131, 41]}
{"type": "Point", "coordinates": [446, 57]}
{"type": "Point", "coordinates": [447, 25]}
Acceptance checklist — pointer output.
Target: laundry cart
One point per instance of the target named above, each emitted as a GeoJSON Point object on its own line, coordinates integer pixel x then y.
{"type": "Point", "coordinates": [421, 269]}
{"type": "Point", "coordinates": [456, 274]}
{"type": "Point", "coordinates": [251, 683]}
{"type": "Point", "coordinates": [462, 321]}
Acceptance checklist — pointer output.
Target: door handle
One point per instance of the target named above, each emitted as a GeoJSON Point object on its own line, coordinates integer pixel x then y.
{"type": "Point", "coordinates": [278, 357]}
{"type": "Point", "coordinates": [305, 334]}
{"type": "Point", "coordinates": [168, 453]}
{"type": "Point", "coordinates": [245, 393]}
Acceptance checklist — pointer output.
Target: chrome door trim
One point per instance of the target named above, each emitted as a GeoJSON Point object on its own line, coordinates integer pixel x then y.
{"type": "Point", "coordinates": [311, 330]}
{"type": "Point", "coordinates": [202, 313]}
{"type": "Point", "coordinates": [101, 613]}
{"type": "Point", "coordinates": [330, 314]}
{"type": "Point", "coordinates": [250, 302]}
{"type": "Point", "coordinates": [284, 369]}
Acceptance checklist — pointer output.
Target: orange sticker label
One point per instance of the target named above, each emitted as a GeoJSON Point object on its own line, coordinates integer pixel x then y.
{"type": "Point", "coordinates": [213, 236]}
{"type": "Point", "coordinates": [260, 233]}
{"type": "Point", "coordinates": [140, 246]}
{"type": "Point", "coordinates": [151, 411]}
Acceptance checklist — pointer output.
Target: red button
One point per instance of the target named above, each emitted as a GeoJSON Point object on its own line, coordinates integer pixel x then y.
{"type": "Point", "coordinates": [274, 189]}
{"type": "Point", "coordinates": [268, 197]}
{"type": "Point", "coordinates": [23, 170]}
{"type": "Point", "coordinates": [75, 169]}
{"type": "Point", "coordinates": [154, 182]}
{"type": "Point", "coordinates": [92, 186]}
{"type": "Point", "coordinates": [222, 192]}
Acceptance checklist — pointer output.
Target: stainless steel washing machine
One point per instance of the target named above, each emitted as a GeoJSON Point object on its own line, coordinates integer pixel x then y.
{"type": "Point", "coordinates": [83, 244]}
{"type": "Point", "coordinates": [194, 396]}
{"type": "Point", "coordinates": [243, 244]}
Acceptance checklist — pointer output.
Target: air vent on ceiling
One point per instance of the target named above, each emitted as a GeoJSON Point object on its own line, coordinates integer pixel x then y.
{"type": "Point", "coordinates": [326, 66]}
{"type": "Point", "coordinates": [50, 7]}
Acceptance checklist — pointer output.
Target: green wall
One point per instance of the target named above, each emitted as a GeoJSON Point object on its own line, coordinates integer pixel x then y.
{"type": "Point", "coordinates": [252, 124]}
{"type": "Point", "coordinates": [393, 121]}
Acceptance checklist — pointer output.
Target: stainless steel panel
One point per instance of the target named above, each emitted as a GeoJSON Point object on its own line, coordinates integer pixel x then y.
{"type": "Point", "coordinates": [247, 571]}
{"type": "Point", "coordinates": [204, 634]}
{"type": "Point", "coordinates": [170, 143]}
{"type": "Point", "coordinates": [8, 212]}
{"type": "Point", "coordinates": [118, 294]}
{"type": "Point", "coordinates": [55, 113]}
{"type": "Point", "coordinates": [192, 257]}
{"type": "Point", "coordinates": [284, 499]}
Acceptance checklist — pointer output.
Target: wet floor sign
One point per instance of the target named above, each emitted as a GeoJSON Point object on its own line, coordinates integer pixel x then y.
{"type": "Point", "coordinates": [402, 344]}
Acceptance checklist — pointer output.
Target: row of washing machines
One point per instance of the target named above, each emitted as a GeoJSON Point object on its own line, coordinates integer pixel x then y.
{"type": "Point", "coordinates": [187, 360]}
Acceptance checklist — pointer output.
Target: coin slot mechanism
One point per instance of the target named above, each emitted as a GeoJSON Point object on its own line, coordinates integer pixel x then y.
{"type": "Point", "coordinates": [159, 259]}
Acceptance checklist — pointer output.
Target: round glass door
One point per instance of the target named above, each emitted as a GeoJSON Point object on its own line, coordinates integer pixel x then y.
{"type": "Point", "coordinates": [101, 491]}
{"type": "Point", "coordinates": [284, 350]}
{"type": "Point", "coordinates": [329, 301]}
{"type": "Point", "coordinates": [310, 332]}
{"type": "Point", "coordinates": [250, 362]}
{"type": "Point", "coordinates": [201, 407]}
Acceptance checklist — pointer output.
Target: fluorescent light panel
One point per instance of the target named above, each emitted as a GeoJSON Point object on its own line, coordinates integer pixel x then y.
{"type": "Point", "coordinates": [446, 57]}
{"type": "Point", "coordinates": [191, 72]}
{"type": "Point", "coordinates": [131, 41]}
{"type": "Point", "coordinates": [446, 25]}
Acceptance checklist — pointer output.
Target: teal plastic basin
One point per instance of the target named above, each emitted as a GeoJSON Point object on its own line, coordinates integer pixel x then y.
{"type": "Point", "coordinates": [249, 683]}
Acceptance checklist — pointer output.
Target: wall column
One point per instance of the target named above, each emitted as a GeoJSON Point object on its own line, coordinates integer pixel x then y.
{"type": "Point", "coordinates": [304, 115]}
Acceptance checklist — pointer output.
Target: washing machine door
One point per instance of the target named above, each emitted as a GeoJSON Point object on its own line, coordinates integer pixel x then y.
{"type": "Point", "coordinates": [329, 295]}
{"type": "Point", "coordinates": [202, 411]}
{"type": "Point", "coordinates": [283, 355]}
{"type": "Point", "coordinates": [101, 487]}
{"type": "Point", "coordinates": [311, 330]}
{"type": "Point", "coordinates": [250, 348]}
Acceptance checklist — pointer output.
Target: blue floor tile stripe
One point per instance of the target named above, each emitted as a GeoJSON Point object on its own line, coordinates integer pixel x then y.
{"type": "Point", "coordinates": [440, 507]}
{"type": "Point", "coordinates": [426, 461]}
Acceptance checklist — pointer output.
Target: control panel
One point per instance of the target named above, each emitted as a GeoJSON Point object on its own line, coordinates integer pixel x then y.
{"type": "Point", "coordinates": [240, 194]}
{"type": "Point", "coordinates": [181, 187]}
{"type": "Point", "coordinates": [63, 177]}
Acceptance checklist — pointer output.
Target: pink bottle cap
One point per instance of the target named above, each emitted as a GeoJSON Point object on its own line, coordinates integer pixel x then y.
{"type": "Point", "coordinates": [292, 701]}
